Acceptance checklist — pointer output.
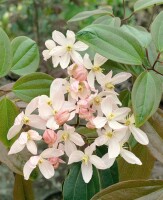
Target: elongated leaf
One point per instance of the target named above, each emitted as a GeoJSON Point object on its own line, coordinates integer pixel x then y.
{"type": "Point", "coordinates": [146, 96]}
{"type": "Point", "coordinates": [157, 31]}
{"type": "Point", "coordinates": [108, 20]}
{"type": "Point", "coordinates": [125, 98]}
{"type": "Point", "coordinates": [32, 85]}
{"type": "Point", "coordinates": [22, 189]}
{"type": "Point", "coordinates": [25, 55]}
{"type": "Point", "coordinates": [130, 190]}
{"type": "Point", "coordinates": [113, 43]}
{"type": "Point", "coordinates": [135, 172]}
{"type": "Point", "coordinates": [8, 112]}
{"type": "Point", "coordinates": [87, 14]}
{"type": "Point", "coordinates": [142, 4]}
{"type": "Point", "coordinates": [140, 33]}
{"type": "Point", "coordinates": [5, 54]}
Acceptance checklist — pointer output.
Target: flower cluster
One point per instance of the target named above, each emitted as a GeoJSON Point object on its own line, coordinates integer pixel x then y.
{"type": "Point", "coordinates": [87, 95]}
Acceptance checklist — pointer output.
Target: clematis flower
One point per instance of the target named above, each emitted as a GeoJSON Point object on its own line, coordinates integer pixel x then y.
{"type": "Point", "coordinates": [70, 139]}
{"type": "Point", "coordinates": [67, 48]}
{"type": "Point", "coordinates": [87, 161]}
{"type": "Point", "coordinates": [27, 118]}
{"type": "Point", "coordinates": [78, 72]}
{"type": "Point", "coordinates": [42, 162]}
{"type": "Point", "coordinates": [112, 139]}
{"type": "Point", "coordinates": [95, 68]}
{"type": "Point", "coordinates": [55, 161]}
{"type": "Point", "coordinates": [138, 134]}
{"type": "Point", "coordinates": [26, 139]}
{"type": "Point", "coordinates": [113, 115]}
{"type": "Point", "coordinates": [50, 137]}
{"type": "Point", "coordinates": [50, 45]}
{"type": "Point", "coordinates": [108, 82]}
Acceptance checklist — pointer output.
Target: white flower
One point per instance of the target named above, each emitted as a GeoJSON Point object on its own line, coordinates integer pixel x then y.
{"type": "Point", "coordinates": [26, 139]}
{"type": "Point", "coordinates": [68, 49]}
{"type": "Point", "coordinates": [44, 165]}
{"type": "Point", "coordinates": [70, 139]}
{"type": "Point", "coordinates": [95, 68]}
{"type": "Point", "coordinates": [87, 160]}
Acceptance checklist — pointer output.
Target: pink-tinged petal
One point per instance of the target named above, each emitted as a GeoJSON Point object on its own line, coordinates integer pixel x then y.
{"type": "Point", "coordinates": [19, 119]}
{"type": "Point", "coordinates": [52, 124]}
{"type": "Point", "coordinates": [108, 161]}
{"type": "Point", "coordinates": [87, 172]}
{"type": "Point", "coordinates": [51, 152]}
{"type": "Point", "coordinates": [114, 148]}
{"type": "Point", "coordinates": [65, 60]}
{"type": "Point", "coordinates": [45, 111]}
{"type": "Point", "coordinates": [37, 122]}
{"type": "Point", "coordinates": [69, 147]}
{"type": "Point", "coordinates": [106, 106]}
{"type": "Point", "coordinates": [76, 156]}
{"type": "Point", "coordinates": [34, 135]}
{"type": "Point", "coordinates": [130, 157]}
{"type": "Point", "coordinates": [139, 135]}
{"type": "Point", "coordinates": [46, 169]}
{"type": "Point", "coordinates": [76, 57]}
{"type": "Point", "coordinates": [34, 160]}
{"type": "Point", "coordinates": [31, 146]}
{"type": "Point", "coordinates": [46, 54]}
{"type": "Point", "coordinates": [14, 130]}
{"type": "Point", "coordinates": [70, 36]}
{"type": "Point", "coordinates": [97, 162]}
{"type": "Point", "coordinates": [57, 84]}
{"type": "Point", "coordinates": [32, 106]}
{"type": "Point", "coordinates": [50, 44]}
{"type": "Point", "coordinates": [90, 149]}
{"type": "Point", "coordinates": [101, 140]}
{"type": "Point", "coordinates": [99, 122]}
{"type": "Point", "coordinates": [77, 139]}
{"type": "Point", "coordinates": [27, 170]}
{"type": "Point", "coordinates": [59, 37]}
{"type": "Point", "coordinates": [91, 79]}
{"type": "Point", "coordinates": [99, 60]}
{"type": "Point", "coordinates": [115, 125]}
{"type": "Point", "coordinates": [55, 60]}
{"type": "Point", "coordinates": [87, 62]}
{"type": "Point", "coordinates": [58, 51]}
{"type": "Point", "coordinates": [16, 147]}
{"type": "Point", "coordinates": [121, 77]}
{"type": "Point", "coordinates": [58, 99]}
{"type": "Point", "coordinates": [80, 46]}
{"type": "Point", "coordinates": [23, 138]}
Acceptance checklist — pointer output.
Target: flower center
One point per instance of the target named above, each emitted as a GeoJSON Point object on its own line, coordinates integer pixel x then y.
{"type": "Point", "coordinates": [80, 87]}
{"type": "Point", "coordinates": [85, 159]}
{"type": "Point", "coordinates": [28, 135]}
{"type": "Point", "coordinates": [54, 112]}
{"type": "Point", "coordinates": [65, 136]}
{"type": "Point", "coordinates": [109, 134]}
{"type": "Point", "coordinates": [26, 120]}
{"type": "Point", "coordinates": [49, 102]}
{"type": "Point", "coordinates": [40, 161]}
{"type": "Point", "coordinates": [128, 122]}
{"type": "Point", "coordinates": [97, 100]}
{"type": "Point", "coordinates": [109, 86]}
{"type": "Point", "coordinates": [111, 116]}
{"type": "Point", "coordinates": [69, 48]}
{"type": "Point", "coordinates": [96, 69]}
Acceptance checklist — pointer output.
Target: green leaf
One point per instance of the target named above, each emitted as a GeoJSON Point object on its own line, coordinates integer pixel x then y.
{"type": "Point", "coordinates": [25, 55]}
{"type": "Point", "coordinates": [134, 172]}
{"type": "Point", "coordinates": [146, 96]}
{"type": "Point", "coordinates": [143, 4]}
{"type": "Point", "coordinates": [133, 190]}
{"type": "Point", "coordinates": [125, 98]}
{"type": "Point", "coordinates": [108, 20]}
{"type": "Point", "coordinates": [32, 85]}
{"type": "Point", "coordinates": [22, 189]}
{"type": "Point", "coordinates": [8, 113]}
{"type": "Point", "coordinates": [5, 54]}
{"type": "Point", "coordinates": [139, 33]}
{"type": "Point", "coordinates": [157, 31]}
{"type": "Point", "coordinates": [112, 43]}
{"type": "Point", "coordinates": [87, 14]}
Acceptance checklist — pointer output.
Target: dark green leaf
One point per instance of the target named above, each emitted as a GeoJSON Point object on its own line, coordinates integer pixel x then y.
{"type": "Point", "coordinates": [125, 98]}
{"type": "Point", "coordinates": [32, 85]}
{"type": "Point", "coordinates": [25, 55]}
{"type": "Point", "coordinates": [113, 43]}
{"type": "Point", "coordinates": [142, 4]}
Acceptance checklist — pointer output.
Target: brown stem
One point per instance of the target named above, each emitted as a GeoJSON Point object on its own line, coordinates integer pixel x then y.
{"type": "Point", "coordinates": [158, 56]}
{"type": "Point", "coordinates": [126, 19]}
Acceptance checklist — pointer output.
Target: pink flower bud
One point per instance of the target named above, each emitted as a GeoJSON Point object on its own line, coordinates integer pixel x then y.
{"type": "Point", "coordinates": [90, 124]}
{"type": "Point", "coordinates": [62, 117]}
{"type": "Point", "coordinates": [49, 136]}
{"type": "Point", "coordinates": [55, 161]}
{"type": "Point", "coordinates": [78, 72]}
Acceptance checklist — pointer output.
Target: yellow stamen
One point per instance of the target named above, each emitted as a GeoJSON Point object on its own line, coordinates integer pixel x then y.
{"type": "Point", "coordinates": [69, 48]}
{"type": "Point", "coordinates": [97, 100]}
{"type": "Point", "coordinates": [111, 116]}
{"type": "Point", "coordinates": [26, 120]}
{"type": "Point", "coordinates": [85, 159]}
{"type": "Point", "coordinates": [109, 86]}
{"type": "Point", "coordinates": [65, 136]}
{"type": "Point", "coordinates": [54, 112]}
{"type": "Point", "coordinates": [128, 122]}
{"type": "Point", "coordinates": [49, 102]}
{"type": "Point", "coordinates": [96, 69]}
{"type": "Point", "coordinates": [80, 87]}
{"type": "Point", "coordinates": [109, 134]}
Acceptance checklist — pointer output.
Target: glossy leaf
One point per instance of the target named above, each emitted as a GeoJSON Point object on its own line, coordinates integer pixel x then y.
{"type": "Point", "coordinates": [108, 20]}
{"type": "Point", "coordinates": [86, 14]}
{"type": "Point", "coordinates": [125, 98]}
{"type": "Point", "coordinates": [146, 96]}
{"type": "Point", "coordinates": [8, 112]}
{"type": "Point", "coordinates": [5, 54]}
{"type": "Point", "coordinates": [135, 172]}
{"type": "Point", "coordinates": [112, 43]}
{"type": "Point", "coordinates": [32, 85]}
{"type": "Point", "coordinates": [142, 4]}
{"type": "Point", "coordinates": [157, 31]}
{"type": "Point", "coordinates": [22, 189]}
{"type": "Point", "coordinates": [130, 190]}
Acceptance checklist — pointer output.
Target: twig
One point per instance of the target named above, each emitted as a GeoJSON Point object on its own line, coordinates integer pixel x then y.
{"type": "Point", "coordinates": [126, 19]}
{"type": "Point", "coordinates": [158, 56]}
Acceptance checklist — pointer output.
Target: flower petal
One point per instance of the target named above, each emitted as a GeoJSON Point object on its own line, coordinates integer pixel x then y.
{"type": "Point", "coordinates": [91, 79]}
{"type": "Point", "coordinates": [51, 152]}
{"type": "Point", "coordinates": [99, 60]}
{"type": "Point", "coordinates": [37, 122]}
{"type": "Point", "coordinates": [130, 157]}
{"type": "Point", "coordinates": [101, 140]}
{"type": "Point", "coordinates": [76, 57]}
{"type": "Point", "coordinates": [76, 156]}
{"type": "Point", "coordinates": [59, 37]}
{"type": "Point", "coordinates": [69, 147]}
{"type": "Point", "coordinates": [87, 62]}
{"type": "Point", "coordinates": [77, 139]}
{"type": "Point", "coordinates": [99, 122]}
{"type": "Point", "coordinates": [46, 169]}
{"type": "Point", "coordinates": [28, 168]}
{"type": "Point", "coordinates": [14, 130]}
{"type": "Point", "coordinates": [87, 172]}
{"type": "Point", "coordinates": [55, 60]}
{"type": "Point", "coordinates": [32, 106]}
{"type": "Point", "coordinates": [65, 60]}
{"type": "Point", "coordinates": [108, 161]}
{"type": "Point", "coordinates": [80, 46]}
{"type": "Point", "coordinates": [50, 44]}
{"type": "Point", "coordinates": [97, 162]}
{"type": "Point", "coordinates": [16, 147]}
{"type": "Point", "coordinates": [51, 123]}
{"type": "Point", "coordinates": [120, 77]}
{"type": "Point", "coordinates": [114, 148]}
{"type": "Point", "coordinates": [31, 146]}
{"type": "Point", "coordinates": [106, 106]}
{"type": "Point", "coordinates": [115, 125]}
{"type": "Point", "coordinates": [70, 36]}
